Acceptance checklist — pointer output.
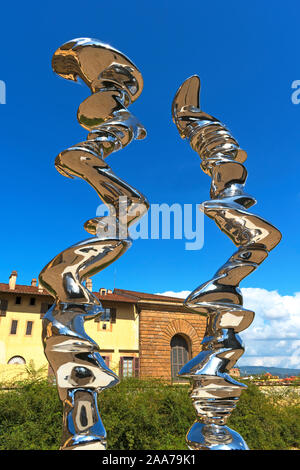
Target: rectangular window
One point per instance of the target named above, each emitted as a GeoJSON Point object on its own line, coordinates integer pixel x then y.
{"type": "Point", "coordinates": [105, 316]}
{"type": "Point", "coordinates": [32, 301]}
{"type": "Point", "coordinates": [3, 307]}
{"type": "Point", "coordinates": [127, 366]}
{"type": "Point", "coordinates": [45, 307]}
{"type": "Point", "coordinates": [13, 328]}
{"type": "Point", "coordinates": [29, 328]}
{"type": "Point", "coordinates": [18, 300]}
{"type": "Point", "coordinates": [109, 314]}
{"type": "Point", "coordinates": [113, 315]}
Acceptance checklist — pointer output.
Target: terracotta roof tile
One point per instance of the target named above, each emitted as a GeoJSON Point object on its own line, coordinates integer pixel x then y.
{"type": "Point", "coordinates": [146, 296]}
{"type": "Point", "coordinates": [118, 295]}
{"type": "Point", "coordinates": [33, 290]}
{"type": "Point", "coordinates": [22, 289]}
{"type": "Point", "coordinates": [116, 298]}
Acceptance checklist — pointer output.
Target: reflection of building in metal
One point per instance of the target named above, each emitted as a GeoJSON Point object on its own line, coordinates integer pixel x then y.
{"type": "Point", "coordinates": [215, 393]}
{"type": "Point", "coordinates": [139, 334]}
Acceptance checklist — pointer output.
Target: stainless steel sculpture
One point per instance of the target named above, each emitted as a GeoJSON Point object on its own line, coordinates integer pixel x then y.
{"type": "Point", "coordinates": [80, 371]}
{"type": "Point", "coordinates": [214, 392]}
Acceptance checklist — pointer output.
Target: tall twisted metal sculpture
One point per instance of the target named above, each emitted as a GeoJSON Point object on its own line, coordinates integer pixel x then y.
{"type": "Point", "coordinates": [80, 371]}
{"type": "Point", "coordinates": [214, 392]}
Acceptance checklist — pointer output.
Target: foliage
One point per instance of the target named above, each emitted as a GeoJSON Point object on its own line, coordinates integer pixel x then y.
{"type": "Point", "coordinates": [146, 414]}
{"type": "Point", "coordinates": [33, 373]}
{"type": "Point", "coordinates": [142, 414]}
{"type": "Point", "coordinates": [30, 417]}
{"type": "Point", "coordinates": [265, 425]}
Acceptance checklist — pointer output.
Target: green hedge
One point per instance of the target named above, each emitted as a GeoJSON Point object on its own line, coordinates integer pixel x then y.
{"type": "Point", "coordinates": [141, 414]}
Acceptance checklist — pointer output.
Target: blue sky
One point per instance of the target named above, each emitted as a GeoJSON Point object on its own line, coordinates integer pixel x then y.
{"type": "Point", "coordinates": [247, 57]}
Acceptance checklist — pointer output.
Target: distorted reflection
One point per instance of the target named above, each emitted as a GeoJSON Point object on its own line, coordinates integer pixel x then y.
{"type": "Point", "coordinates": [115, 82]}
{"type": "Point", "coordinates": [214, 392]}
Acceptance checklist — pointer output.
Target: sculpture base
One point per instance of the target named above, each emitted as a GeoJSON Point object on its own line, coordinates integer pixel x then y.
{"type": "Point", "coordinates": [82, 425]}
{"type": "Point", "coordinates": [214, 437]}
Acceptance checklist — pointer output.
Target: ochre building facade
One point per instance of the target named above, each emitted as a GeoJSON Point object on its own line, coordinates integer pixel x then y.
{"type": "Point", "coordinates": [139, 334]}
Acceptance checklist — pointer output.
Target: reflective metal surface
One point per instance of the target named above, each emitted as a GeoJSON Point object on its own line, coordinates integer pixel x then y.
{"type": "Point", "coordinates": [80, 371]}
{"type": "Point", "coordinates": [214, 392]}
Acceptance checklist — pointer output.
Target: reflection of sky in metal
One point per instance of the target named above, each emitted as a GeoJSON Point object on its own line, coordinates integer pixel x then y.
{"type": "Point", "coordinates": [2, 92]}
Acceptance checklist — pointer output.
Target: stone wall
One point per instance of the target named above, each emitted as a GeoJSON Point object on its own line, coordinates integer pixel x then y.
{"type": "Point", "coordinates": [157, 327]}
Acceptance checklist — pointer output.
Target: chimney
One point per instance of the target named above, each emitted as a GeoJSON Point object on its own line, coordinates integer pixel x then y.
{"type": "Point", "coordinates": [89, 284]}
{"type": "Point", "coordinates": [33, 282]}
{"type": "Point", "coordinates": [109, 291]}
{"type": "Point", "coordinates": [102, 291]}
{"type": "Point", "coordinates": [12, 280]}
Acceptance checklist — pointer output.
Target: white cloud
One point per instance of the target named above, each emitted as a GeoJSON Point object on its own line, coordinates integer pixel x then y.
{"type": "Point", "coordinates": [182, 294]}
{"type": "Point", "coordinates": [273, 339]}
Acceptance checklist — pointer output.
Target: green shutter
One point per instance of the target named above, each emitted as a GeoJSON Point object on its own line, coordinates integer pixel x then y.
{"type": "Point", "coordinates": [136, 366]}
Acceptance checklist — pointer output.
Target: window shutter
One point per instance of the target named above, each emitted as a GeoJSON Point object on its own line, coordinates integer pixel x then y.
{"type": "Point", "coordinates": [3, 307]}
{"type": "Point", "coordinates": [29, 325]}
{"type": "Point", "coordinates": [14, 327]}
{"type": "Point", "coordinates": [113, 315]}
{"type": "Point", "coordinates": [121, 367]}
{"type": "Point", "coordinates": [44, 307]}
{"type": "Point", "coordinates": [136, 366]}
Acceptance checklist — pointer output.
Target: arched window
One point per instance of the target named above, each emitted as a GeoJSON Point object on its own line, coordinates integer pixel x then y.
{"type": "Point", "coordinates": [179, 354]}
{"type": "Point", "coordinates": [17, 360]}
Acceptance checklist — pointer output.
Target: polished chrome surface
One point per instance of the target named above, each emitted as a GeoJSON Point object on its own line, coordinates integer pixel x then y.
{"type": "Point", "coordinates": [214, 392]}
{"type": "Point", "coordinates": [80, 371]}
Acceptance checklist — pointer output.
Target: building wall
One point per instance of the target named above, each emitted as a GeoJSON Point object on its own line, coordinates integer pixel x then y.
{"type": "Point", "coordinates": [117, 340]}
{"type": "Point", "coordinates": [27, 346]}
{"type": "Point", "coordinates": [142, 329]}
{"type": "Point", "coordinates": [157, 327]}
